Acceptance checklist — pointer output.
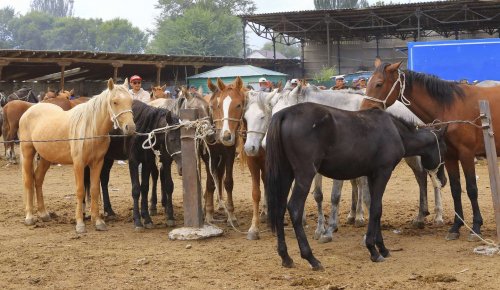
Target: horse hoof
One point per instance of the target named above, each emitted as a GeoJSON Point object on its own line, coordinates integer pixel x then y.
{"type": "Point", "coordinates": [418, 224]}
{"type": "Point", "coordinates": [80, 229]}
{"type": "Point", "coordinates": [325, 239]}
{"type": "Point", "coordinates": [45, 217]}
{"type": "Point", "coordinates": [170, 223]}
{"type": "Point", "coordinates": [439, 223]}
{"type": "Point", "coordinates": [350, 220]}
{"type": "Point", "coordinates": [473, 238]}
{"type": "Point", "coordinates": [101, 227]}
{"type": "Point", "coordinates": [149, 226]}
{"type": "Point", "coordinates": [153, 211]}
{"type": "Point", "coordinates": [110, 217]}
{"type": "Point", "coordinates": [29, 221]}
{"type": "Point", "coordinates": [253, 236]}
{"type": "Point", "coordinates": [385, 254]}
{"type": "Point", "coordinates": [317, 235]}
{"type": "Point", "coordinates": [288, 264]}
{"type": "Point", "coordinates": [452, 236]}
{"type": "Point", "coordinates": [138, 229]}
{"type": "Point", "coordinates": [359, 223]}
{"type": "Point", "coordinates": [378, 259]}
{"type": "Point", "coordinates": [318, 267]}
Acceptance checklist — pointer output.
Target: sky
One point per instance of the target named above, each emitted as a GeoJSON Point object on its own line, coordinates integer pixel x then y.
{"type": "Point", "coordinates": [142, 13]}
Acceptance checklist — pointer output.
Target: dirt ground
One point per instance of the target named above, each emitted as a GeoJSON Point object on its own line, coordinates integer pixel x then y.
{"type": "Point", "coordinates": [51, 255]}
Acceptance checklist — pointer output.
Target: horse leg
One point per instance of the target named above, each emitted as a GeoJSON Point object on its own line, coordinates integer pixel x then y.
{"type": "Point", "coordinates": [351, 217]}
{"type": "Point", "coordinates": [133, 166]}
{"type": "Point", "coordinates": [358, 186]}
{"type": "Point", "coordinates": [209, 189]}
{"type": "Point", "coordinates": [80, 194]}
{"type": "Point", "coordinates": [95, 194]}
{"type": "Point", "coordinates": [318, 197]}
{"type": "Point", "coordinates": [456, 193]}
{"type": "Point", "coordinates": [253, 166]}
{"type": "Point", "coordinates": [228, 185]}
{"type": "Point", "coordinates": [167, 188]}
{"type": "Point", "coordinates": [154, 176]}
{"type": "Point", "coordinates": [467, 163]}
{"type": "Point", "coordinates": [106, 169]}
{"type": "Point", "coordinates": [40, 171]}
{"type": "Point", "coordinates": [28, 154]}
{"type": "Point", "coordinates": [377, 184]}
{"type": "Point", "coordinates": [333, 221]}
{"type": "Point", "coordinates": [296, 209]}
{"type": "Point", "coordinates": [421, 177]}
{"type": "Point", "coordinates": [146, 172]}
{"type": "Point", "coordinates": [438, 207]}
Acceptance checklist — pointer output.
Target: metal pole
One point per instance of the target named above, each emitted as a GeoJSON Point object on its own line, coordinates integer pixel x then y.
{"type": "Point", "coordinates": [329, 58]}
{"type": "Point", "coordinates": [193, 214]}
{"type": "Point", "coordinates": [491, 155]}
{"type": "Point", "coordinates": [302, 67]}
{"type": "Point", "coordinates": [244, 40]}
{"type": "Point", "coordinates": [274, 50]}
{"type": "Point", "coordinates": [338, 54]}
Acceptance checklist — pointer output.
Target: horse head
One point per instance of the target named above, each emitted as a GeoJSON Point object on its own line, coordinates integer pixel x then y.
{"type": "Point", "coordinates": [257, 116]}
{"type": "Point", "coordinates": [120, 107]}
{"type": "Point", "coordinates": [158, 92]}
{"type": "Point", "coordinates": [382, 89]}
{"type": "Point", "coordinates": [227, 105]}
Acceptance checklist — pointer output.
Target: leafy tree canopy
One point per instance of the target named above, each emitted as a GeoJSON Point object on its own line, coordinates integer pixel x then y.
{"type": "Point", "coordinates": [175, 8]}
{"type": "Point", "coordinates": [57, 8]}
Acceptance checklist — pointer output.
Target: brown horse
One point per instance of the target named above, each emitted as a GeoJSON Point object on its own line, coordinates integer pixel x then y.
{"type": "Point", "coordinates": [226, 109]}
{"type": "Point", "coordinates": [92, 121]}
{"type": "Point", "coordinates": [23, 94]}
{"type": "Point", "coordinates": [431, 99]}
{"type": "Point", "coordinates": [158, 92]}
{"type": "Point", "coordinates": [13, 112]}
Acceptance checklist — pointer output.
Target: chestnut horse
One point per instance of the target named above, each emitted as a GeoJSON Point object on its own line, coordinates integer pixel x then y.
{"type": "Point", "coordinates": [86, 127]}
{"type": "Point", "coordinates": [158, 92]}
{"type": "Point", "coordinates": [431, 99]}
{"type": "Point", "coordinates": [13, 112]}
{"type": "Point", "coordinates": [227, 104]}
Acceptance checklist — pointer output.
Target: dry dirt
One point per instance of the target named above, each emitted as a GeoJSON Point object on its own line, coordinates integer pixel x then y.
{"type": "Point", "coordinates": [51, 255]}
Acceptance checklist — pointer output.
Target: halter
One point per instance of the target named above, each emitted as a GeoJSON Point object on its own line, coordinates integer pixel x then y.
{"type": "Point", "coordinates": [240, 120]}
{"type": "Point", "coordinates": [114, 117]}
{"type": "Point", "coordinates": [25, 98]}
{"type": "Point", "coordinates": [441, 162]}
{"type": "Point", "coordinates": [402, 85]}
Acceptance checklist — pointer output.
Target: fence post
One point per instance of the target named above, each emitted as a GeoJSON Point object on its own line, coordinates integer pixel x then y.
{"type": "Point", "coordinates": [191, 187]}
{"type": "Point", "coordinates": [491, 155]}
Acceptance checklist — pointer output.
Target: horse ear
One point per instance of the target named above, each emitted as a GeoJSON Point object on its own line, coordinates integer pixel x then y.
{"type": "Point", "coordinates": [270, 96]}
{"type": "Point", "coordinates": [280, 86]}
{"type": "Point", "coordinates": [377, 62]}
{"type": "Point", "coordinates": [184, 91]}
{"type": "Point", "coordinates": [164, 87]}
{"type": "Point", "coordinates": [394, 66]}
{"type": "Point", "coordinates": [72, 92]}
{"type": "Point", "coordinates": [220, 84]}
{"type": "Point", "coordinates": [238, 83]}
{"type": "Point", "coordinates": [211, 86]}
{"type": "Point", "coordinates": [200, 90]}
{"type": "Point", "coordinates": [111, 84]}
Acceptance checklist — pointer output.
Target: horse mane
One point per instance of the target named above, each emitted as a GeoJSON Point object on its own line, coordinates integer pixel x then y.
{"type": "Point", "coordinates": [147, 118]}
{"type": "Point", "coordinates": [402, 123]}
{"type": "Point", "coordinates": [444, 92]}
{"type": "Point", "coordinates": [83, 120]}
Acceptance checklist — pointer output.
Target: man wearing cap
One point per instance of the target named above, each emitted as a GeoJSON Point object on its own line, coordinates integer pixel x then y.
{"type": "Point", "coordinates": [294, 82]}
{"type": "Point", "coordinates": [264, 85]}
{"type": "Point", "coordinates": [137, 92]}
{"type": "Point", "coordinates": [361, 83]}
{"type": "Point", "coordinates": [339, 83]}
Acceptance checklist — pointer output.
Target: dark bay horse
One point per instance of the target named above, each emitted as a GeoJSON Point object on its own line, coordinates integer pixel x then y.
{"type": "Point", "coordinates": [227, 105]}
{"type": "Point", "coordinates": [309, 138]}
{"type": "Point", "coordinates": [431, 98]}
{"type": "Point", "coordinates": [23, 94]}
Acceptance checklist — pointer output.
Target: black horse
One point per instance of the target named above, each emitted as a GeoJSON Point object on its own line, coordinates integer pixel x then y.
{"type": "Point", "coordinates": [147, 119]}
{"type": "Point", "coordinates": [308, 138]}
{"type": "Point", "coordinates": [23, 94]}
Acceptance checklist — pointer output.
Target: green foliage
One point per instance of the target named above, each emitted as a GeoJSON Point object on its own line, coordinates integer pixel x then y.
{"type": "Point", "coordinates": [339, 4]}
{"type": "Point", "coordinates": [41, 31]}
{"type": "Point", "coordinates": [175, 8]}
{"type": "Point", "coordinates": [56, 8]}
{"type": "Point", "coordinates": [6, 16]}
{"type": "Point", "coordinates": [325, 74]}
{"type": "Point", "coordinates": [290, 51]}
{"type": "Point", "coordinates": [201, 30]}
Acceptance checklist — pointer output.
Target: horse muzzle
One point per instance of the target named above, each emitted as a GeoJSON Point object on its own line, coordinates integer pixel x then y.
{"type": "Point", "coordinates": [251, 149]}
{"type": "Point", "coordinates": [227, 139]}
{"type": "Point", "coordinates": [128, 129]}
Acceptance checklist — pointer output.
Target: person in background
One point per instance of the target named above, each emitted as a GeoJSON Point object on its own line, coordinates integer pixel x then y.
{"type": "Point", "coordinates": [361, 83]}
{"type": "Point", "coordinates": [137, 92]}
{"type": "Point", "coordinates": [168, 94]}
{"type": "Point", "coordinates": [294, 82]}
{"type": "Point", "coordinates": [264, 85]}
{"type": "Point", "coordinates": [339, 84]}
{"type": "Point", "coordinates": [193, 91]}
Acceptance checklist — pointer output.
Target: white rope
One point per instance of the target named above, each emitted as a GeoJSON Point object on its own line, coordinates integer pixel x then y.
{"type": "Point", "coordinates": [491, 247]}
{"type": "Point", "coordinates": [402, 85]}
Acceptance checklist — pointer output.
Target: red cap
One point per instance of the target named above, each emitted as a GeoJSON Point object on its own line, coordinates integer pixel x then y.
{"type": "Point", "coordinates": [135, 78]}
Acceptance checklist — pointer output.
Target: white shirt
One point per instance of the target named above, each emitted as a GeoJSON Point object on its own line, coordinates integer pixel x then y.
{"type": "Point", "coordinates": [141, 95]}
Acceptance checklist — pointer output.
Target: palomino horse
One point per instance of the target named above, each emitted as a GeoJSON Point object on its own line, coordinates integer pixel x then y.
{"type": "Point", "coordinates": [226, 107]}
{"type": "Point", "coordinates": [13, 112]}
{"type": "Point", "coordinates": [433, 99]}
{"type": "Point", "coordinates": [87, 126]}
{"type": "Point", "coordinates": [309, 138]}
{"type": "Point", "coordinates": [23, 94]}
{"type": "Point", "coordinates": [158, 92]}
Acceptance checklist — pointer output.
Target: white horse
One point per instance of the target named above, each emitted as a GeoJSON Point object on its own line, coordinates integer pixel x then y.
{"type": "Point", "coordinates": [488, 83]}
{"type": "Point", "coordinates": [258, 117]}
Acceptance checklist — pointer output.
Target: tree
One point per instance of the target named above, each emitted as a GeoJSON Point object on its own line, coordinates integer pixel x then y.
{"type": "Point", "coordinates": [339, 4]}
{"type": "Point", "coordinates": [290, 51]}
{"type": "Point", "coordinates": [74, 34]}
{"type": "Point", "coordinates": [119, 35]}
{"type": "Point", "coordinates": [28, 31]}
{"type": "Point", "coordinates": [56, 8]}
{"type": "Point", "coordinates": [6, 16]}
{"type": "Point", "coordinates": [201, 30]}
{"type": "Point", "coordinates": [175, 8]}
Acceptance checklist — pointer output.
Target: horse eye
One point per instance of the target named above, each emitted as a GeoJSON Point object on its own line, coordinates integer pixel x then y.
{"type": "Point", "coordinates": [262, 117]}
{"type": "Point", "coordinates": [378, 85]}
{"type": "Point", "coordinates": [114, 103]}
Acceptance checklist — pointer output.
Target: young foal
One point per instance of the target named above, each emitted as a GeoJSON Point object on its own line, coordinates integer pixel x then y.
{"type": "Point", "coordinates": [308, 138]}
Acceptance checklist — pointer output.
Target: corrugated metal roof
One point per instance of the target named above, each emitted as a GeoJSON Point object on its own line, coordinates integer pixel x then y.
{"type": "Point", "coordinates": [237, 70]}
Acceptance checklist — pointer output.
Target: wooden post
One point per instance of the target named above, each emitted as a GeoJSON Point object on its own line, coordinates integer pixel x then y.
{"type": "Point", "coordinates": [491, 155]}
{"type": "Point", "coordinates": [63, 66]}
{"type": "Point", "coordinates": [159, 67]}
{"type": "Point", "coordinates": [116, 66]}
{"type": "Point", "coordinates": [193, 214]}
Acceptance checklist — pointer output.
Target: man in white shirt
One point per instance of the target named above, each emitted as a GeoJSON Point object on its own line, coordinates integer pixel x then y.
{"type": "Point", "coordinates": [138, 93]}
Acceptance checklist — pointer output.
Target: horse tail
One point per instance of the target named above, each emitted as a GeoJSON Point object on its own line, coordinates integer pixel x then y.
{"type": "Point", "coordinates": [279, 174]}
